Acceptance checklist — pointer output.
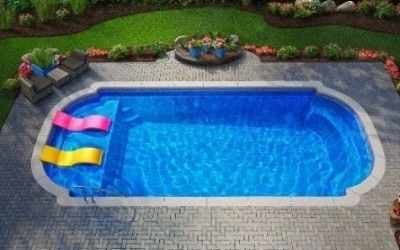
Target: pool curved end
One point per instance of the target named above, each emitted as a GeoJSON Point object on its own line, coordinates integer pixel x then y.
{"type": "Point", "coordinates": [352, 197]}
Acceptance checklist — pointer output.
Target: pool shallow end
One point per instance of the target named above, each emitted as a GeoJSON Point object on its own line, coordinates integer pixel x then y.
{"type": "Point", "coordinates": [351, 198]}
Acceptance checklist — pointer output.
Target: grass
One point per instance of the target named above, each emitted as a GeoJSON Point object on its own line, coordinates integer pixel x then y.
{"type": "Point", "coordinates": [164, 26]}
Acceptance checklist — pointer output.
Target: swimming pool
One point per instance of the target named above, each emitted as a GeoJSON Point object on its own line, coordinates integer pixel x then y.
{"type": "Point", "coordinates": [217, 143]}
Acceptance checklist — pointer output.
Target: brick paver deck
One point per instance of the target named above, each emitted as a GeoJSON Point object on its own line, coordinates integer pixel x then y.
{"type": "Point", "coordinates": [30, 218]}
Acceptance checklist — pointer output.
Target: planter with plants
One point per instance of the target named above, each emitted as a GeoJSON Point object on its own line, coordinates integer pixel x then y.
{"type": "Point", "coordinates": [209, 49]}
{"type": "Point", "coordinates": [42, 61]}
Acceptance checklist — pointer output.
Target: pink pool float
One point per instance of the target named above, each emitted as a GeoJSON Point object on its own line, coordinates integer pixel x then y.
{"type": "Point", "coordinates": [92, 122]}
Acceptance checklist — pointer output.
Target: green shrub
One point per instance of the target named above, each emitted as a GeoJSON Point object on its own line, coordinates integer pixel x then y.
{"type": "Point", "coordinates": [311, 51]}
{"type": "Point", "coordinates": [273, 8]}
{"type": "Point", "coordinates": [62, 14]}
{"type": "Point", "coordinates": [286, 9]}
{"type": "Point", "coordinates": [119, 52]}
{"type": "Point", "coordinates": [10, 85]}
{"type": "Point", "coordinates": [19, 5]}
{"type": "Point", "coordinates": [7, 17]}
{"type": "Point", "coordinates": [349, 54]}
{"type": "Point", "coordinates": [332, 51]}
{"type": "Point", "coordinates": [26, 20]}
{"type": "Point", "coordinates": [398, 9]}
{"type": "Point", "coordinates": [245, 3]}
{"type": "Point", "coordinates": [367, 7]}
{"type": "Point", "coordinates": [78, 6]}
{"type": "Point", "coordinates": [159, 49]}
{"type": "Point", "coordinates": [315, 6]}
{"type": "Point", "coordinates": [45, 9]}
{"type": "Point", "coordinates": [42, 57]}
{"type": "Point", "coordinates": [303, 12]}
{"type": "Point", "coordinates": [287, 52]}
{"type": "Point", "coordinates": [385, 10]}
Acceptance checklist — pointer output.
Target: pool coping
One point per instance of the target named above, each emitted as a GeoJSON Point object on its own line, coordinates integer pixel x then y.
{"type": "Point", "coordinates": [352, 197]}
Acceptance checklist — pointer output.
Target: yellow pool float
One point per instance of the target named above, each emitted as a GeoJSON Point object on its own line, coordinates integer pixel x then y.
{"type": "Point", "coordinates": [67, 159]}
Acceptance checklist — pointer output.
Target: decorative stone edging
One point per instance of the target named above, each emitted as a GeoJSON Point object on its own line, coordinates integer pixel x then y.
{"type": "Point", "coordinates": [351, 198]}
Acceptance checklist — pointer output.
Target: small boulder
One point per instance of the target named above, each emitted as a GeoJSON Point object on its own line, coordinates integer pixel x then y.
{"type": "Point", "coordinates": [348, 6]}
{"type": "Point", "coordinates": [328, 6]}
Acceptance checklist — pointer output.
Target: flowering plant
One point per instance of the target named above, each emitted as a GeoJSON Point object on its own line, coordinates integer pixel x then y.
{"type": "Point", "coordinates": [392, 68]}
{"type": "Point", "coordinates": [368, 54]}
{"type": "Point", "coordinates": [219, 43]}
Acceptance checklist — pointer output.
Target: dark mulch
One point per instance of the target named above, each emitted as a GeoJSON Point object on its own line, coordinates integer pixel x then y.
{"type": "Point", "coordinates": [92, 17]}
{"type": "Point", "coordinates": [348, 19]}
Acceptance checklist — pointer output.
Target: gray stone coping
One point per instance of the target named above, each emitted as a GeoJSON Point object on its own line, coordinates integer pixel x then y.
{"type": "Point", "coordinates": [351, 198]}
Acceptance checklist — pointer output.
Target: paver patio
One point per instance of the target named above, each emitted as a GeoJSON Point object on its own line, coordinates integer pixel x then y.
{"type": "Point", "coordinates": [30, 218]}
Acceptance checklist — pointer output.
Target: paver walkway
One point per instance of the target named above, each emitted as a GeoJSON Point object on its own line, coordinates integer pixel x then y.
{"type": "Point", "coordinates": [30, 218]}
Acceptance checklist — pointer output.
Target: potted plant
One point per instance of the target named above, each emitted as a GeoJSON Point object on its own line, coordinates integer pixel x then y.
{"type": "Point", "coordinates": [219, 48]}
{"type": "Point", "coordinates": [195, 48]}
{"type": "Point", "coordinates": [207, 43]}
{"type": "Point", "coordinates": [42, 61]}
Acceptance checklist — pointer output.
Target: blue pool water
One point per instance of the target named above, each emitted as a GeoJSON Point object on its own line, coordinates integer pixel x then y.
{"type": "Point", "coordinates": [217, 143]}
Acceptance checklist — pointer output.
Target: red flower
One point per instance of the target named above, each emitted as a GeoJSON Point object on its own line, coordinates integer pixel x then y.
{"type": "Point", "coordinates": [392, 68]}
{"type": "Point", "coordinates": [368, 55]}
{"type": "Point", "coordinates": [24, 70]}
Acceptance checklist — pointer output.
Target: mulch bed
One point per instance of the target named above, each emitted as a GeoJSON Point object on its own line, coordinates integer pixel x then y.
{"type": "Point", "coordinates": [92, 17]}
{"type": "Point", "coordinates": [348, 19]}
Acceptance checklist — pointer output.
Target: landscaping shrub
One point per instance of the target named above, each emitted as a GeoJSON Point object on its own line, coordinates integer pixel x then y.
{"type": "Point", "coordinates": [349, 54]}
{"type": "Point", "coordinates": [311, 51]}
{"type": "Point", "coordinates": [315, 6]}
{"type": "Point", "coordinates": [10, 85]}
{"type": "Point", "coordinates": [286, 9]}
{"type": "Point", "coordinates": [332, 51]}
{"type": "Point", "coordinates": [43, 57]}
{"type": "Point", "coordinates": [62, 14]}
{"type": "Point", "coordinates": [303, 12]}
{"type": "Point", "coordinates": [367, 7]}
{"type": "Point", "coordinates": [245, 3]}
{"type": "Point", "coordinates": [26, 20]}
{"type": "Point", "coordinates": [385, 10]}
{"type": "Point", "coordinates": [19, 5]}
{"type": "Point", "coordinates": [78, 6]}
{"type": "Point", "coordinates": [119, 52]}
{"type": "Point", "coordinates": [398, 9]}
{"type": "Point", "coordinates": [159, 49]}
{"type": "Point", "coordinates": [45, 9]}
{"type": "Point", "coordinates": [273, 8]}
{"type": "Point", "coordinates": [7, 17]}
{"type": "Point", "coordinates": [287, 52]}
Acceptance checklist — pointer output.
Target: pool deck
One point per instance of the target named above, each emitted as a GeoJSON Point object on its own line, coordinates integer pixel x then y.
{"type": "Point", "coordinates": [30, 217]}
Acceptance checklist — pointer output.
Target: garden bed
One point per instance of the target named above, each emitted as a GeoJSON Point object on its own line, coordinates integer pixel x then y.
{"type": "Point", "coordinates": [348, 19]}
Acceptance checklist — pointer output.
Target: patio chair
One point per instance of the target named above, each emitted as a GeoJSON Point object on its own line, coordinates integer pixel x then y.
{"type": "Point", "coordinates": [75, 64]}
{"type": "Point", "coordinates": [36, 88]}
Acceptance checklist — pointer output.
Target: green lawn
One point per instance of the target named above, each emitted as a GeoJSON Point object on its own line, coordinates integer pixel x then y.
{"type": "Point", "coordinates": [164, 26]}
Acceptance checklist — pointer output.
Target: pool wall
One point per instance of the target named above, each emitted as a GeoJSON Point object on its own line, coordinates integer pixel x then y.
{"type": "Point", "coordinates": [351, 198]}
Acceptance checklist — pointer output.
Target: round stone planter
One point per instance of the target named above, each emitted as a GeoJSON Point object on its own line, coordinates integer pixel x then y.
{"type": "Point", "coordinates": [184, 56]}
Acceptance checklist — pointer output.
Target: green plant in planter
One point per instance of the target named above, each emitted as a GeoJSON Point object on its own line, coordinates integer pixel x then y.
{"type": "Point", "coordinates": [119, 52]}
{"type": "Point", "coordinates": [332, 51]}
{"type": "Point", "coordinates": [385, 10]}
{"type": "Point", "coordinates": [287, 52]}
{"type": "Point", "coordinates": [78, 6]}
{"type": "Point", "coordinates": [7, 17]}
{"type": "Point", "coordinates": [10, 86]}
{"type": "Point", "coordinates": [43, 58]}
{"type": "Point", "coordinates": [311, 51]}
{"type": "Point", "coordinates": [26, 20]}
{"type": "Point", "coordinates": [349, 54]}
{"type": "Point", "coordinates": [367, 7]}
{"type": "Point", "coordinates": [45, 9]}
